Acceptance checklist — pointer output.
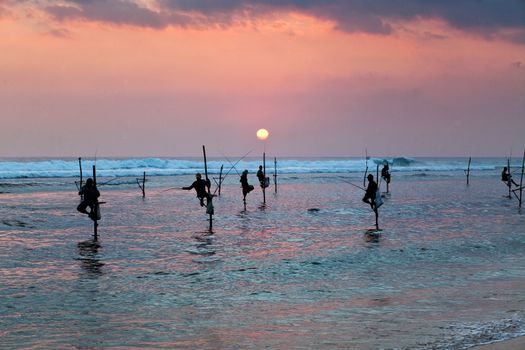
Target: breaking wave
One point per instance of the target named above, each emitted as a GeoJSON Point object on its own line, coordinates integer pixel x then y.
{"type": "Point", "coordinates": [42, 168]}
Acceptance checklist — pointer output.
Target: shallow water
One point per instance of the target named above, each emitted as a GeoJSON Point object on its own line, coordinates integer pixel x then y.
{"type": "Point", "coordinates": [446, 271]}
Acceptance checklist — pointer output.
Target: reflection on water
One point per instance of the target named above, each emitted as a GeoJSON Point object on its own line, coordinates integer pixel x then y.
{"type": "Point", "coordinates": [88, 257]}
{"type": "Point", "coordinates": [372, 236]}
{"type": "Point", "coordinates": [302, 272]}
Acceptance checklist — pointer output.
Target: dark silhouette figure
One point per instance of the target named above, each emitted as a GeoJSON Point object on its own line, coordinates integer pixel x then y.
{"type": "Point", "coordinates": [91, 194]}
{"type": "Point", "coordinates": [200, 187]}
{"type": "Point", "coordinates": [385, 172]}
{"type": "Point", "coordinates": [507, 178]}
{"type": "Point", "coordinates": [370, 194]}
{"type": "Point", "coordinates": [370, 197]}
{"type": "Point", "coordinates": [260, 176]}
{"type": "Point", "coordinates": [246, 187]}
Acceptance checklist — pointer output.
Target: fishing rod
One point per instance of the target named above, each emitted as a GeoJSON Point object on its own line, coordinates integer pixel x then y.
{"type": "Point", "coordinates": [115, 178]}
{"type": "Point", "coordinates": [237, 162]}
{"type": "Point", "coordinates": [233, 166]}
{"type": "Point", "coordinates": [171, 188]}
{"type": "Point", "coordinates": [366, 166]}
{"type": "Point", "coordinates": [351, 183]}
{"type": "Point", "coordinates": [105, 183]}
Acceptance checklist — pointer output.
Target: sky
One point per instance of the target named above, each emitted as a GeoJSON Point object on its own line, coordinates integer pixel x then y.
{"type": "Point", "coordinates": [161, 78]}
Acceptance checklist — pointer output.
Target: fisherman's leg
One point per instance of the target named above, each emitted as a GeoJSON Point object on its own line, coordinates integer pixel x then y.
{"type": "Point", "coordinates": [82, 207]}
{"type": "Point", "coordinates": [202, 201]}
{"type": "Point", "coordinates": [92, 213]}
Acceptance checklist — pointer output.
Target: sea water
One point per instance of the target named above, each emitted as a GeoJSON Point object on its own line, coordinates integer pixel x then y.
{"type": "Point", "coordinates": [298, 272]}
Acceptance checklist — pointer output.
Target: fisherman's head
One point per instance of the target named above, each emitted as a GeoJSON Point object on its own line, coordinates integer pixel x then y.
{"type": "Point", "coordinates": [504, 168]}
{"type": "Point", "coordinates": [198, 176]}
{"type": "Point", "coordinates": [370, 177]}
{"type": "Point", "coordinates": [260, 167]}
{"type": "Point", "coordinates": [245, 171]}
{"type": "Point", "coordinates": [89, 182]}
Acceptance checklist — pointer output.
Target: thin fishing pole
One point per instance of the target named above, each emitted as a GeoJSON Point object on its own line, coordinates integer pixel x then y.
{"type": "Point", "coordinates": [350, 183]}
{"type": "Point", "coordinates": [104, 183]}
{"type": "Point", "coordinates": [229, 161]}
{"type": "Point", "coordinates": [171, 188]}
{"type": "Point", "coordinates": [232, 167]}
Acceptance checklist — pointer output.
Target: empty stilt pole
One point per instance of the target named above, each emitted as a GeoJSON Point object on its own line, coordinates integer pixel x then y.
{"type": "Point", "coordinates": [144, 185]}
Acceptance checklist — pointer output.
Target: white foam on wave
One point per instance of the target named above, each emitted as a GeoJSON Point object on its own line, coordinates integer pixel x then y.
{"type": "Point", "coordinates": [467, 335]}
{"type": "Point", "coordinates": [165, 167]}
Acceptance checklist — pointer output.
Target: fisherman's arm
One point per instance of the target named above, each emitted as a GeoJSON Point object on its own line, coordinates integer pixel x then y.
{"type": "Point", "coordinates": [189, 187]}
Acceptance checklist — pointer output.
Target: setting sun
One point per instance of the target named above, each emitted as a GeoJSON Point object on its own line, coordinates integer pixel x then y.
{"type": "Point", "coordinates": [262, 134]}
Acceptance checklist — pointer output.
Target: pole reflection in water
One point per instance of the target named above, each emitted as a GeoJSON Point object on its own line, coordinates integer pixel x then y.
{"type": "Point", "coordinates": [88, 257]}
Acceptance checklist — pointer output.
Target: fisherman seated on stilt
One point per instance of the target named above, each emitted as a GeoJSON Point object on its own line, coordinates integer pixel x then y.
{"type": "Point", "coordinates": [261, 177]}
{"type": "Point", "coordinates": [507, 178]}
{"type": "Point", "coordinates": [246, 188]}
{"type": "Point", "coordinates": [200, 187]}
{"type": "Point", "coordinates": [91, 194]}
{"type": "Point", "coordinates": [370, 194]}
{"type": "Point", "coordinates": [385, 172]}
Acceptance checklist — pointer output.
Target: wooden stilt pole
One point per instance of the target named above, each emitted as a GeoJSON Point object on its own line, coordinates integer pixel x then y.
{"type": "Point", "coordinates": [275, 173]}
{"type": "Point", "coordinates": [366, 168]}
{"type": "Point", "coordinates": [95, 221]}
{"type": "Point", "coordinates": [80, 185]}
{"type": "Point", "coordinates": [521, 178]}
{"type": "Point", "coordinates": [264, 182]}
{"type": "Point", "coordinates": [144, 186]}
{"type": "Point", "coordinates": [468, 169]}
{"type": "Point", "coordinates": [376, 211]}
{"type": "Point", "coordinates": [208, 199]}
{"type": "Point", "coordinates": [388, 182]}
{"type": "Point", "coordinates": [509, 182]}
{"type": "Point", "coordinates": [220, 180]}
{"type": "Point", "coordinates": [377, 175]}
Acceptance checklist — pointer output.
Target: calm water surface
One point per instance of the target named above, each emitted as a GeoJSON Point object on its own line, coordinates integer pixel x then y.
{"type": "Point", "coordinates": [447, 271]}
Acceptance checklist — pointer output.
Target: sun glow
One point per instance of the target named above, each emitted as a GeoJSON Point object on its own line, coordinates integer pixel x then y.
{"type": "Point", "coordinates": [262, 134]}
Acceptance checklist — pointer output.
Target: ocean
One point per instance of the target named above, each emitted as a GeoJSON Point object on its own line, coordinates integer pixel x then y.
{"type": "Point", "coordinates": [446, 271]}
